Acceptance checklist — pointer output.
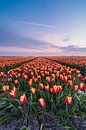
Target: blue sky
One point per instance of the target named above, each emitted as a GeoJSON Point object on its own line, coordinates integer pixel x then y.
{"type": "Point", "coordinates": [42, 27]}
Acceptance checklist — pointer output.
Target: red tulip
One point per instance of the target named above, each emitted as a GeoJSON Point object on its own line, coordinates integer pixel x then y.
{"type": "Point", "coordinates": [5, 88]}
{"type": "Point", "coordinates": [41, 86]}
{"type": "Point", "coordinates": [53, 80]}
{"type": "Point", "coordinates": [57, 88]}
{"type": "Point", "coordinates": [33, 91]}
{"type": "Point", "coordinates": [14, 89]}
{"type": "Point", "coordinates": [29, 83]}
{"type": "Point", "coordinates": [12, 94]}
{"type": "Point", "coordinates": [16, 82]}
{"type": "Point", "coordinates": [61, 77]}
{"type": "Point", "coordinates": [82, 87]}
{"type": "Point", "coordinates": [42, 102]}
{"type": "Point", "coordinates": [25, 77]}
{"type": "Point", "coordinates": [68, 100]}
{"type": "Point", "coordinates": [10, 80]}
{"type": "Point", "coordinates": [23, 99]}
{"type": "Point", "coordinates": [47, 88]}
{"type": "Point", "coordinates": [52, 90]}
{"type": "Point", "coordinates": [48, 79]}
{"type": "Point", "coordinates": [75, 88]}
{"type": "Point", "coordinates": [69, 82]}
{"type": "Point", "coordinates": [85, 79]}
{"type": "Point", "coordinates": [65, 78]}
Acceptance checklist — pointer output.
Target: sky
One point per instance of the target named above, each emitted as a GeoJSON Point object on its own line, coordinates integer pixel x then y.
{"type": "Point", "coordinates": [42, 27]}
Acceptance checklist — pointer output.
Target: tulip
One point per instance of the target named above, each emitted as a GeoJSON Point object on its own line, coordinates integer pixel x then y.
{"type": "Point", "coordinates": [14, 89]}
{"type": "Point", "coordinates": [74, 79]}
{"type": "Point", "coordinates": [53, 80]}
{"type": "Point", "coordinates": [51, 90]}
{"type": "Point", "coordinates": [61, 77]}
{"type": "Point", "coordinates": [65, 78]}
{"type": "Point", "coordinates": [29, 83]}
{"type": "Point", "coordinates": [69, 72]}
{"type": "Point", "coordinates": [82, 87]}
{"type": "Point", "coordinates": [79, 76]}
{"type": "Point", "coordinates": [42, 75]}
{"type": "Point", "coordinates": [77, 71]}
{"type": "Point", "coordinates": [75, 88]}
{"type": "Point", "coordinates": [25, 77]}
{"type": "Point", "coordinates": [9, 80]}
{"type": "Point", "coordinates": [69, 77]}
{"type": "Point", "coordinates": [31, 73]}
{"type": "Point", "coordinates": [39, 77]}
{"type": "Point", "coordinates": [42, 102]}
{"type": "Point", "coordinates": [41, 86]}
{"type": "Point", "coordinates": [68, 100]}
{"type": "Point", "coordinates": [57, 88]}
{"type": "Point", "coordinates": [12, 94]}
{"type": "Point", "coordinates": [5, 88]}
{"type": "Point", "coordinates": [85, 79]}
{"type": "Point", "coordinates": [16, 82]}
{"type": "Point", "coordinates": [47, 88]}
{"type": "Point", "coordinates": [48, 79]}
{"type": "Point", "coordinates": [23, 99]}
{"type": "Point", "coordinates": [69, 82]}
{"type": "Point", "coordinates": [33, 91]}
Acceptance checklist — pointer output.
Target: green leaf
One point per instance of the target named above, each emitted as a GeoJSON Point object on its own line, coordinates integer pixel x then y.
{"type": "Point", "coordinates": [8, 107]}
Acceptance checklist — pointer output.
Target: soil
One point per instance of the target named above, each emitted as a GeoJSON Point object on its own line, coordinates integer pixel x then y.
{"type": "Point", "coordinates": [78, 123]}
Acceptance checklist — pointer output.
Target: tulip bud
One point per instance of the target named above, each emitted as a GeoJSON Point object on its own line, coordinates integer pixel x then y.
{"type": "Point", "coordinates": [12, 94]}
{"type": "Point", "coordinates": [48, 79]}
{"type": "Point", "coordinates": [23, 99]}
{"type": "Point", "coordinates": [69, 82]}
{"type": "Point", "coordinates": [29, 83]}
{"type": "Point", "coordinates": [82, 87]}
{"type": "Point", "coordinates": [16, 82]}
{"type": "Point", "coordinates": [68, 100]}
{"type": "Point", "coordinates": [42, 102]}
{"type": "Point", "coordinates": [33, 91]}
{"type": "Point", "coordinates": [75, 88]}
{"type": "Point", "coordinates": [5, 88]}
{"type": "Point", "coordinates": [41, 86]}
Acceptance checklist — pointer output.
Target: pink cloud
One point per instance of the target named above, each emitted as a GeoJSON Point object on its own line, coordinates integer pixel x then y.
{"type": "Point", "coordinates": [25, 50]}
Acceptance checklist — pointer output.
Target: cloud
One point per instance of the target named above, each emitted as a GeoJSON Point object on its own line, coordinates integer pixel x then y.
{"type": "Point", "coordinates": [24, 51]}
{"type": "Point", "coordinates": [35, 24]}
{"type": "Point", "coordinates": [51, 38]}
{"type": "Point", "coordinates": [17, 39]}
{"type": "Point", "coordinates": [72, 50]}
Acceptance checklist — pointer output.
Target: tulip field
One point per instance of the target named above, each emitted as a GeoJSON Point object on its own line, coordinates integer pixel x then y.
{"type": "Point", "coordinates": [43, 93]}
